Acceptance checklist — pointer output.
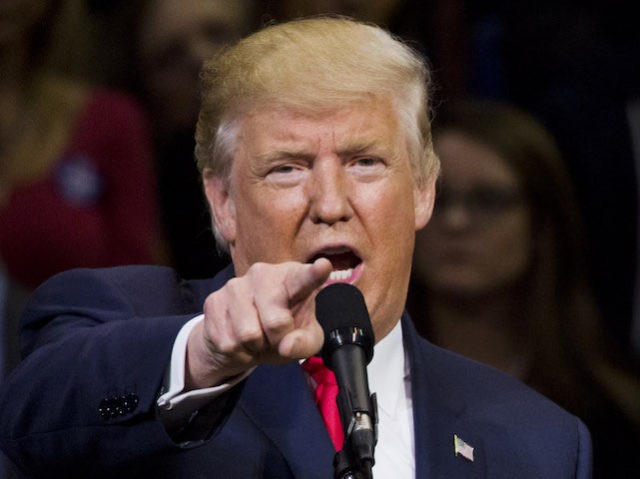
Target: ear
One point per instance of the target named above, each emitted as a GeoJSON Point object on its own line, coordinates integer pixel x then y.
{"type": "Point", "coordinates": [221, 204]}
{"type": "Point", "coordinates": [424, 198]}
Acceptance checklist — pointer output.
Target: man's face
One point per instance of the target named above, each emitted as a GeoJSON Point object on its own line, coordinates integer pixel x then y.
{"type": "Point", "coordinates": [339, 186]}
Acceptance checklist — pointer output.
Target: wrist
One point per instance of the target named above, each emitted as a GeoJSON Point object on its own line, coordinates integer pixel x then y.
{"type": "Point", "coordinates": [201, 368]}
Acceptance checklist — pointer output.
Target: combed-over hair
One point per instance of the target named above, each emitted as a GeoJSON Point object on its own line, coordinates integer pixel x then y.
{"type": "Point", "coordinates": [313, 66]}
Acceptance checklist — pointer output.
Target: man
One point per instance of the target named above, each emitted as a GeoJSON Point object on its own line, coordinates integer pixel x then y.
{"type": "Point", "coordinates": [315, 150]}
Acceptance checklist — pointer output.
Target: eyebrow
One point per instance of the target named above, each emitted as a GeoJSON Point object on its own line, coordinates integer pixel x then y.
{"type": "Point", "coordinates": [280, 155]}
{"type": "Point", "coordinates": [361, 147]}
{"type": "Point", "coordinates": [305, 155]}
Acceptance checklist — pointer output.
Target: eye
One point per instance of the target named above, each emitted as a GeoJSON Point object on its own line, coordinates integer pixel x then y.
{"type": "Point", "coordinates": [495, 199]}
{"type": "Point", "coordinates": [367, 161]}
{"type": "Point", "coordinates": [367, 166]}
{"type": "Point", "coordinates": [287, 174]}
{"type": "Point", "coordinates": [283, 169]}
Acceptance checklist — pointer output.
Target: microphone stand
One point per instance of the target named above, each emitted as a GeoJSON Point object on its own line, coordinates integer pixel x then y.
{"type": "Point", "coordinates": [356, 460]}
{"type": "Point", "coordinates": [344, 468]}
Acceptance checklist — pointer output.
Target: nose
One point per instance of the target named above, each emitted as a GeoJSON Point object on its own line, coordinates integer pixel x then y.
{"type": "Point", "coordinates": [455, 216]}
{"type": "Point", "coordinates": [329, 192]}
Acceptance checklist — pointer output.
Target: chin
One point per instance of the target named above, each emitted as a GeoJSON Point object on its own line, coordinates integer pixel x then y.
{"type": "Point", "coordinates": [463, 287]}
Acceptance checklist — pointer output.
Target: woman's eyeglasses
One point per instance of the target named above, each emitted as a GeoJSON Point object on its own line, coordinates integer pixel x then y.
{"type": "Point", "coordinates": [481, 202]}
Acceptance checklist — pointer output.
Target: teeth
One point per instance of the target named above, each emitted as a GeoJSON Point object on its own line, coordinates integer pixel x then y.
{"type": "Point", "coordinates": [341, 274]}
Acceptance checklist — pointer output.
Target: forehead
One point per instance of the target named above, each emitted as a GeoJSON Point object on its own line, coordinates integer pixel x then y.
{"type": "Point", "coordinates": [466, 161]}
{"type": "Point", "coordinates": [172, 18]}
{"type": "Point", "coordinates": [374, 122]}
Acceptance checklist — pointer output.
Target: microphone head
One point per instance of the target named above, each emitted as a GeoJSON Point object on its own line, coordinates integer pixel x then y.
{"type": "Point", "coordinates": [343, 315]}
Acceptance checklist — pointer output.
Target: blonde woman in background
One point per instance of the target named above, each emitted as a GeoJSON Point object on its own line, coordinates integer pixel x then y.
{"type": "Point", "coordinates": [75, 160]}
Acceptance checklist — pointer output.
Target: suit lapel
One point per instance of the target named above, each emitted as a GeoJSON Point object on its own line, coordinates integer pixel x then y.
{"type": "Point", "coordinates": [438, 416]}
{"type": "Point", "coordinates": [278, 400]}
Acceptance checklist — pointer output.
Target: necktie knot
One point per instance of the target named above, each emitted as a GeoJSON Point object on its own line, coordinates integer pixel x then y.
{"type": "Point", "coordinates": [325, 394]}
{"type": "Point", "coordinates": [314, 366]}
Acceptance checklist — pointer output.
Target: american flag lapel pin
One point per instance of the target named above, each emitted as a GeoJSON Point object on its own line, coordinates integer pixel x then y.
{"type": "Point", "coordinates": [461, 448]}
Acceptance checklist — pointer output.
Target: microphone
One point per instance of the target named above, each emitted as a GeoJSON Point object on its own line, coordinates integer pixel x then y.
{"type": "Point", "coordinates": [348, 348]}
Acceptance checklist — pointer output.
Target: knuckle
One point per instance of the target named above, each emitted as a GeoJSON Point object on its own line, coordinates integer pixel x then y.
{"type": "Point", "coordinates": [258, 270]}
{"type": "Point", "coordinates": [211, 302]}
{"type": "Point", "coordinates": [249, 335]}
{"type": "Point", "coordinates": [234, 287]}
{"type": "Point", "coordinates": [277, 322]}
{"type": "Point", "coordinates": [225, 347]}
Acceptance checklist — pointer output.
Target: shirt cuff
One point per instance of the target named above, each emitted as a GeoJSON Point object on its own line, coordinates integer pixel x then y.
{"type": "Point", "coordinates": [176, 403]}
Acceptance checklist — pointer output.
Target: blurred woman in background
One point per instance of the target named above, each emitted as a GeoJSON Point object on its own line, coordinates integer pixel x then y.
{"type": "Point", "coordinates": [500, 274]}
{"type": "Point", "coordinates": [75, 159]}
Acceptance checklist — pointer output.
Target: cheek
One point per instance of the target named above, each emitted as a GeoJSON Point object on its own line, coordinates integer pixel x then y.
{"type": "Point", "coordinates": [478, 261]}
{"type": "Point", "coordinates": [512, 250]}
{"type": "Point", "coordinates": [390, 221]}
{"type": "Point", "coordinates": [267, 224]}
{"type": "Point", "coordinates": [393, 217]}
{"type": "Point", "coordinates": [429, 256]}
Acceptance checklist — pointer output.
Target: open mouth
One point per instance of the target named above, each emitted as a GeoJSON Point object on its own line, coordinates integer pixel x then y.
{"type": "Point", "coordinates": [344, 261]}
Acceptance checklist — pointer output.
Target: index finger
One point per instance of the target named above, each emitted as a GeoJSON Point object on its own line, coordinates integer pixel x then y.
{"type": "Point", "coordinates": [281, 291]}
{"type": "Point", "coordinates": [283, 313]}
{"type": "Point", "coordinates": [306, 339]}
{"type": "Point", "coordinates": [301, 282]}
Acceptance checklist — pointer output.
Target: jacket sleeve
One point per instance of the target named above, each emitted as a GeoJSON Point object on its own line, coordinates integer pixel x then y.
{"type": "Point", "coordinates": [585, 453]}
{"type": "Point", "coordinates": [96, 344]}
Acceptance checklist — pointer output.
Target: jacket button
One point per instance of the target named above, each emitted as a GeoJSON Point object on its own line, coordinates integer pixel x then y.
{"type": "Point", "coordinates": [117, 406]}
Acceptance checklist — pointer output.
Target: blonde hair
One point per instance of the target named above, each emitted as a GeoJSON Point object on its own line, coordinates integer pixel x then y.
{"type": "Point", "coordinates": [315, 66]}
{"type": "Point", "coordinates": [56, 93]}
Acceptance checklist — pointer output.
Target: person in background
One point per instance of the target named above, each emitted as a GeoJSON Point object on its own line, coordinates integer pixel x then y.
{"type": "Point", "coordinates": [314, 144]}
{"type": "Point", "coordinates": [76, 179]}
{"type": "Point", "coordinates": [13, 299]}
{"type": "Point", "coordinates": [174, 38]}
{"type": "Point", "coordinates": [76, 159]}
{"type": "Point", "coordinates": [157, 51]}
{"type": "Point", "coordinates": [440, 30]}
{"type": "Point", "coordinates": [574, 65]}
{"type": "Point", "coordinates": [500, 274]}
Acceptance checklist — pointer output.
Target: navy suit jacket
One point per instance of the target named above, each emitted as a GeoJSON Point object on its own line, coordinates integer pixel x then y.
{"type": "Point", "coordinates": [97, 344]}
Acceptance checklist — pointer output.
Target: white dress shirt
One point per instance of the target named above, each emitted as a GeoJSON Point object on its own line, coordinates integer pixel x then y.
{"type": "Point", "coordinates": [389, 378]}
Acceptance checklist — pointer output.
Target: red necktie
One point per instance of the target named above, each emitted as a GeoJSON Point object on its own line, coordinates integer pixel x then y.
{"type": "Point", "coordinates": [325, 397]}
